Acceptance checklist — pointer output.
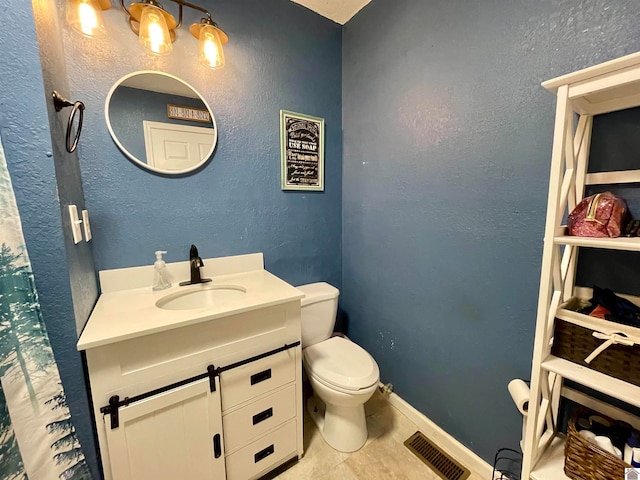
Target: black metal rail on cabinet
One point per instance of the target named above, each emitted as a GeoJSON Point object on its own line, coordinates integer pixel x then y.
{"type": "Point", "coordinates": [212, 372]}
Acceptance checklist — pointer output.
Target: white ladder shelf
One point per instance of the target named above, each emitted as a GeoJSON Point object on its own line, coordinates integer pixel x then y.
{"type": "Point", "coordinates": [604, 88]}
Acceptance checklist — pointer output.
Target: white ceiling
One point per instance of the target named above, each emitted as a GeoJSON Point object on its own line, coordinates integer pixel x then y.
{"type": "Point", "coordinates": [159, 82]}
{"type": "Point", "coordinates": [340, 11]}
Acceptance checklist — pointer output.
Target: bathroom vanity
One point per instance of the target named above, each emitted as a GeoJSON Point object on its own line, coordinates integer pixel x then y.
{"type": "Point", "coordinates": [200, 381]}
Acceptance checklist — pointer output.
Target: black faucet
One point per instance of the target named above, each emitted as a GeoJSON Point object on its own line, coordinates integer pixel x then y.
{"type": "Point", "coordinates": [195, 262]}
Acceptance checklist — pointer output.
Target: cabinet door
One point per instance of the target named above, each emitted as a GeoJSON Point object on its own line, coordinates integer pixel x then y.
{"type": "Point", "coordinates": [172, 435]}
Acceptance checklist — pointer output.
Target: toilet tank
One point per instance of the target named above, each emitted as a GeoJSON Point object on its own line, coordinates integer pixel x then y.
{"type": "Point", "coordinates": [318, 312]}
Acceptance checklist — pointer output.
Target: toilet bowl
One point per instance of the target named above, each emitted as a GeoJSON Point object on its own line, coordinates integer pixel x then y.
{"type": "Point", "coordinates": [344, 377]}
{"type": "Point", "coordinates": [342, 374]}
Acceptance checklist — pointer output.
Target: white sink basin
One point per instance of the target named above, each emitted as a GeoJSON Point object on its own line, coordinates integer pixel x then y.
{"type": "Point", "coordinates": [201, 297]}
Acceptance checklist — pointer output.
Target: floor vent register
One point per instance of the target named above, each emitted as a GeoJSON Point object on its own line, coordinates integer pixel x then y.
{"type": "Point", "coordinates": [441, 463]}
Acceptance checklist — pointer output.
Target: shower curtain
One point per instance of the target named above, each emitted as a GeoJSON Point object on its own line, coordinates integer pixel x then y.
{"type": "Point", "coordinates": [37, 437]}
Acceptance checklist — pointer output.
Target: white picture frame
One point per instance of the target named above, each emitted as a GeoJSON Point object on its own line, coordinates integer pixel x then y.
{"type": "Point", "coordinates": [301, 151]}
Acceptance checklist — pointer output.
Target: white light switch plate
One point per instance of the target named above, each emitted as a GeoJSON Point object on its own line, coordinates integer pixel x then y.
{"type": "Point", "coordinates": [76, 229]}
{"type": "Point", "coordinates": [86, 225]}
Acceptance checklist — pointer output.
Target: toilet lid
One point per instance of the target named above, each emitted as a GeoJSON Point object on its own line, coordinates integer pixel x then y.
{"type": "Point", "coordinates": [342, 363]}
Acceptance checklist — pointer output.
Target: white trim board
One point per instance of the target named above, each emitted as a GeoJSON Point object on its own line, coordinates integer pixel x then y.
{"type": "Point", "coordinates": [445, 441]}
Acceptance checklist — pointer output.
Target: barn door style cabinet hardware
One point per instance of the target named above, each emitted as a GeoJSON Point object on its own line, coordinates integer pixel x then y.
{"type": "Point", "coordinates": [212, 372]}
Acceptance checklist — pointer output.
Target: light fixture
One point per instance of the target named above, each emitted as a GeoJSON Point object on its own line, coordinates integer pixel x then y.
{"type": "Point", "coordinates": [154, 31]}
{"type": "Point", "coordinates": [148, 18]}
{"type": "Point", "coordinates": [85, 16]}
{"type": "Point", "coordinates": [211, 39]}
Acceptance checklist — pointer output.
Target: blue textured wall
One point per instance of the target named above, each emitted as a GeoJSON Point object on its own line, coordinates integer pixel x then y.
{"type": "Point", "coordinates": [82, 275]}
{"type": "Point", "coordinates": [279, 56]}
{"type": "Point", "coordinates": [446, 154]}
{"type": "Point", "coordinates": [65, 278]}
{"type": "Point", "coordinates": [234, 205]}
{"type": "Point", "coordinates": [447, 141]}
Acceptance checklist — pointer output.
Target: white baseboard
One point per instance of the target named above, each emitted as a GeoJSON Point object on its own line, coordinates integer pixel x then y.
{"type": "Point", "coordinates": [445, 441]}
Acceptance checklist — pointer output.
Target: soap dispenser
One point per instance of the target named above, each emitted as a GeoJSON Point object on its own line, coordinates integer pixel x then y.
{"type": "Point", "coordinates": [160, 276]}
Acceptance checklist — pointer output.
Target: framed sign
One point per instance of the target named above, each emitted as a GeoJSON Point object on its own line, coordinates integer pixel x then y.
{"type": "Point", "coordinates": [301, 151]}
{"type": "Point", "coordinates": [188, 113]}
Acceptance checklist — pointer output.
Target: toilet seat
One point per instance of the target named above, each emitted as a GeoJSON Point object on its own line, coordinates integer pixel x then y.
{"type": "Point", "coordinates": [341, 363]}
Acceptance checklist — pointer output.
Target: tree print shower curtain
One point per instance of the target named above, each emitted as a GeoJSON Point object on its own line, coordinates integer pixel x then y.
{"type": "Point", "coordinates": [37, 438]}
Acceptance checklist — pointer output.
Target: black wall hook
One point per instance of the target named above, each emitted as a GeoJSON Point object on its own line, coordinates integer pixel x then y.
{"type": "Point", "coordinates": [59, 102]}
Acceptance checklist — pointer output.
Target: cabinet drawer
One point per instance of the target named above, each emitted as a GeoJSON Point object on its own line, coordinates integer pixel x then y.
{"type": "Point", "coordinates": [248, 381]}
{"type": "Point", "coordinates": [247, 423]}
{"type": "Point", "coordinates": [257, 457]}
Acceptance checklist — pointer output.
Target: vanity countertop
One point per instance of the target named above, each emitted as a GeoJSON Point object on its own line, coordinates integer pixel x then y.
{"type": "Point", "coordinates": [130, 313]}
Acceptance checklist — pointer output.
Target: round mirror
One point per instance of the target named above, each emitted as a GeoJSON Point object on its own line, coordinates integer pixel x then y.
{"type": "Point", "coordinates": [160, 122]}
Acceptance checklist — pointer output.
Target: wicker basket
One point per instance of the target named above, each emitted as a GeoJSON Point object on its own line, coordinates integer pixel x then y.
{"type": "Point", "coordinates": [575, 343]}
{"type": "Point", "coordinates": [584, 460]}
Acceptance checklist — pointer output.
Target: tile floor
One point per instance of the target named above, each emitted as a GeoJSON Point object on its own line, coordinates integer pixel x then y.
{"type": "Point", "coordinates": [383, 457]}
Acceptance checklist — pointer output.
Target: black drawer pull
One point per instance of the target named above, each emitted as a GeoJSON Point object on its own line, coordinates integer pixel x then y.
{"type": "Point", "coordinates": [262, 416]}
{"type": "Point", "coordinates": [261, 377]}
{"type": "Point", "coordinates": [262, 454]}
{"type": "Point", "coordinates": [217, 449]}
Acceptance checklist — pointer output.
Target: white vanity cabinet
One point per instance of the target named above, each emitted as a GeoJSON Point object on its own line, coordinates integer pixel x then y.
{"type": "Point", "coordinates": [215, 395]}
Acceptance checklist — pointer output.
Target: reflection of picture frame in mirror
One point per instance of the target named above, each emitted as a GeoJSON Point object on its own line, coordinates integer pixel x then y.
{"type": "Point", "coordinates": [301, 151]}
{"type": "Point", "coordinates": [137, 115]}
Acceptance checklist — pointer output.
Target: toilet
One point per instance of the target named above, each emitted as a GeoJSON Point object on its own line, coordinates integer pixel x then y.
{"type": "Point", "coordinates": [343, 375]}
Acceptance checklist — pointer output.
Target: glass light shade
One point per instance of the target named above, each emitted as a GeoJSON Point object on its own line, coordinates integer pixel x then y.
{"type": "Point", "coordinates": [154, 34]}
{"type": "Point", "coordinates": [211, 53]}
{"type": "Point", "coordinates": [85, 17]}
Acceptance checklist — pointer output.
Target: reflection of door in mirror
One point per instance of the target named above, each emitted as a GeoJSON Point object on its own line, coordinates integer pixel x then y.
{"type": "Point", "coordinates": [160, 122]}
{"type": "Point", "coordinates": [175, 147]}
{"type": "Point", "coordinates": [130, 107]}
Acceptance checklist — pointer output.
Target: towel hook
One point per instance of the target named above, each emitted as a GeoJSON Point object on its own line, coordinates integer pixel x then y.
{"type": "Point", "coordinates": [59, 102]}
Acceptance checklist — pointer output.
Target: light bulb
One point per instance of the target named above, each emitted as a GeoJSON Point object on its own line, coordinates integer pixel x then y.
{"type": "Point", "coordinates": [211, 53]}
{"type": "Point", "coordinates": [154, 34]}
{"type": "Point", "coordinates": [85, 17]}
